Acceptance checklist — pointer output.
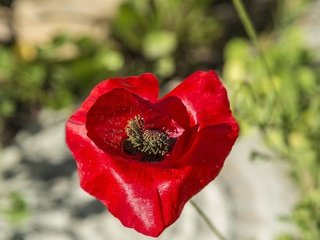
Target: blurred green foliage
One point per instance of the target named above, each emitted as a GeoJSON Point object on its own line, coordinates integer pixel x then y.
{"type": "Point", "coordinates": [55, 75]}
{"type": "Point", "coordinates": [179, 19]}
{"type": "Point", "coordinates": [279, 92]}
{"type": "Point", "coordinates": [163, 33]}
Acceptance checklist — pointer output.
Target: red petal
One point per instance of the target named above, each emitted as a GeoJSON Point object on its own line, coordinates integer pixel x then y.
{"type": "Point", "coordinates": [207, 102]}
{"type": "Point", "coordinates": [205, 98]}
{"type": "Point", "coordinates": [145, 85]}
{"type": "Point", "coordinates": [211, 146]}
{"type": "Point", "coordinates": [174, 107]}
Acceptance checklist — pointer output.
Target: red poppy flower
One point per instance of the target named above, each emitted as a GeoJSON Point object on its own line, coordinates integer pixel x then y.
{"type": "Point", "coordinates": [145, 157]}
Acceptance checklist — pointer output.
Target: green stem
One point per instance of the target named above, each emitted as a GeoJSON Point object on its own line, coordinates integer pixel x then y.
{"type": "Point", "coordinates": [205, 218]}
{"type": "Point", "coordinates": [248, 26]}
{"type": "Point", "coordinates": [244, 17]}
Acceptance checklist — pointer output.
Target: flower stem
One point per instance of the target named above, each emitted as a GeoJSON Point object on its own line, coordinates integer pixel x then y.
{"type": "Point", "coordinates": [248, 26]}
{"type": "Point", "coordinates": [250, 30]}
{"type": "Point", "coordinates": [245, 19]}
{"type": "Point", "coordinates": [205, 218]}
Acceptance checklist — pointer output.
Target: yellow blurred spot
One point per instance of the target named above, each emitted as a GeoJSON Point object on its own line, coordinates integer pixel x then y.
{"type": "Point", "coordinates": [26, 51]}
{"type": "Point", "coordinates": [296, 140]}
{"type": "Point", "coordinates": [235, 71]}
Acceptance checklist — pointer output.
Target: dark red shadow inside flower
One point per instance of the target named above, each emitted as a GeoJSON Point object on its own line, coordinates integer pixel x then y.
{"type": "Point", "coordinates": [107, 121]}
{"type": "Point", "coordinates": [145, 158]}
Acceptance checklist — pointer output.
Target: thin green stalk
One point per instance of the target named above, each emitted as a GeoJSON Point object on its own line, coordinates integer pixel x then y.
{"type": "Point", "coordinates": [248, 25]}
{"type": "Point", "coordinates": [244, 17]}
{"type": "Point", "coordinates": [205, 218]}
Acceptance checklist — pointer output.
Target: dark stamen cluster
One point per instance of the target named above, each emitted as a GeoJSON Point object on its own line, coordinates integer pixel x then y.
{"type": "Point", "coordinates": [152, 144]}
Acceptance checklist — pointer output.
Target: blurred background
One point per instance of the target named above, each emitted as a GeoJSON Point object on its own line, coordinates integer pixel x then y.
{"type": "Point", "coordinates": [52, 52]}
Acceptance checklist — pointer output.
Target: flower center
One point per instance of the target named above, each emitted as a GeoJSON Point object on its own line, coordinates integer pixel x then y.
{"type": "Point", "coordinates": [152, 144]}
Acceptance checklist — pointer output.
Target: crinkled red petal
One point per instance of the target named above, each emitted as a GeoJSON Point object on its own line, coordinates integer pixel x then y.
{"type": "Point", "coordinates": [206, 101]}
{"type": "Point", "coordinates": [205, 98]}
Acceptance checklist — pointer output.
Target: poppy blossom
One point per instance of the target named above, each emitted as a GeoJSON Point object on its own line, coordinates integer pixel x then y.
{"type": "Point", "coordinates": [145, 157]}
